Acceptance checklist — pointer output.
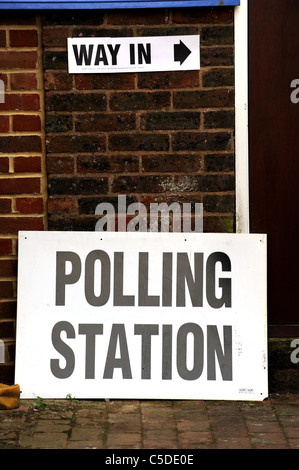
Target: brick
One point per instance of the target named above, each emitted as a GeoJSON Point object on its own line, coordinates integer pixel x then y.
{"type": "Point", "coordinates": [21, 102]}
{"type": "Point", "coordinates": [13, 144]}
{"type": "Point", "coordinates": [26, 123]}
{"type": "Point", "coordinates": [217, 98]}
{"type": "Point", "coordinates": [221, 224]}
{"type": "Point", "coordinates": [58, 123]}
{"type": "Point", "coordinates": [70, 224]}
{"type": "Point", "coordinates": [131, 101]}
{"type": "Point", "coordinates": [27, 164]}
{"type": "Point", "coordinates": [4, 123]}
{"type": "Point", "coordinates": [115, 81]}
{"type": "Point", "coordinates": [87, 205]}
{"type": "Point", "coordinates": [55, 60]}
{"type": "Point", "coordinates": [5, 206]}
{"type": "Point", "coordinates": [13, 224]}
{"type": "Point", "coordinates": [165, 80]}
{"type": "Point", "coordinates": [216, 56]}
{"type": "Point", "coordinates": [76, 186]}
{"type": "Point", "coordinates": [201, 141]}
{"type": "Point", "coordinates": [73, 17]}
{"type": "Point", "coordinates": [105, 122]}
{"type": "Point", "coordinates": [102, 164]}
{"type": "Point", "coordinates": [219, 203]}
{"type": "Point", "coordinates": [7, 327]}
{"type": "Point", "coordinates": [29, 205]}
{"type": "Point", "coordinates": [138, 142]}
{"type": "Point", "coordinates": [13, 19]}
{"type": "Point", "coordinates": [171, 163]}
{"type": "Point", "coordinates": [153, 16]}
{"type": "Point", "coordinates": [219, 119]}
{"type": "Point", "coordinates": [55, 37]}
{"type": "Point", "coordinates": [23, 38]}
{"type": "Point", "coordinates": [170, 120]}
{"type": "Point", "coordinates": [5, 246]}
{"type": "Point", "coordinates": [18, 60]}
{"type": "Point", "coordinates": [60, 165]}
{"type": "Point", "coordinates": [58, 81]}
{"type": "Point", "coordinates": [62, 205]}
{"type": "Point", "coordinates": [2, 38]}
{"type": "Point", "coordinates": [218, 77]}
{"type": "Point", "coordinates": [77, 144]}
{"type": "Point", "coordinates": [219, 162]}
{"type": "Point", "coordinates": [6, 289]}
{"type": "Point", "coordinates": [4, 164]}
{"type": "Point", "coordinates": [142, 184]}
{"type": "Point", "coordinates": [76, 102]}
{"type": "Point", "coordinates": [20, 185]}
{"type": "Point", "coordinates": [8, 267]}
{"type": "Point", "coordinates": [217, 35]}
{"type": "Point", "coordinates": [23, 81]}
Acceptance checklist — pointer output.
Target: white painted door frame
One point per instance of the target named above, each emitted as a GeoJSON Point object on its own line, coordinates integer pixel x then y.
{"type": "Point", "coordinates": [241, 117]}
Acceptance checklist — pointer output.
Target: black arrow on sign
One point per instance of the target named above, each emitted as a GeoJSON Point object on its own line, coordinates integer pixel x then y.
{"type": "Point", "coordinates": [181, 52]}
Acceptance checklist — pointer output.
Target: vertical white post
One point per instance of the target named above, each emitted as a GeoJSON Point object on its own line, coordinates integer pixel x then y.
{"type": "Point", "coordinates": [241, 117]}
{"type": "Point", "coordinates": [2, 352]}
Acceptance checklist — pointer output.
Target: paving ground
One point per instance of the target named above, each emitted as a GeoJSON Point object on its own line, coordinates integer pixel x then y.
{"type": "Point", "coordinates": [144, 424]}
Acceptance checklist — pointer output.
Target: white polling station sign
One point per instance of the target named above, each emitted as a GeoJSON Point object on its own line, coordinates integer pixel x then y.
{"type": "Point", "coordinates": [142, 315]}
{"type": "Point", "coordinates": [142, 54]}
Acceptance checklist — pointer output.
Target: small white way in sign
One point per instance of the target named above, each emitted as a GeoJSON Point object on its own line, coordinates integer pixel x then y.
{"type": "Point", "coordinates": [125, 54]}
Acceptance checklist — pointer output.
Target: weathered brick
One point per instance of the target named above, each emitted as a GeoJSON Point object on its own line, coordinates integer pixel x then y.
{"type": "Point", "coordinates": [25, 143]}
{"type": "Point", "coordinates": [105, 122]}
{"type": "Point", "coordinates": [219, 162]}
{"type": "Point", "coordinates": [219, 203]}
{"type": "Point", "coordinates": [139, 100]}
{"type": "Point", "coordinates": [55, 37]}
{"type": "Point", "coordinates": [23, 123]}
{"type": "Point", "coordinates": [216, 56]}
{"type": "Point", "coordinates": [123, 17]}
{"type": "Point", "coordinates": [58, 81]}
{"type": "Point", "coordinates": [55, 60]}
{"type": "Point", "coordinates": [168, 80]}
{"type": "Point", "coordinates": [142, 184]}
{"type": "Point", "coordinates": [217, 35]}
{"type": "Point", "coordinates": [7, 328]}
{"type": "Point", "coordinates": [75, 143]}
{"type": "Point", "coordinates": [219, 119]}
{"type": "Point", "coordinates": [201, 141]}
{"type": "Point", "coordinates": [171, 163]}
{"type": "Point", "coordinates": [218, 77]}
{"type": "Point", "coordinates": [76, 102]}
{"type": "Point", "coordinates": [58, 123]}
{"type": "Point", "coordinates": [23, 38]}
{"type": "Point", "coordinates": [60, 165]}
{"type": "Point", "coordinates": [62, 205]}
{"type": "Point", "coordinates": [102, 164]}
{"type": "Point", "coordinates": [72, 224]}
{"type": "Point", "coordinates": [76, 186]}
{"type": "Point", "coordinates": [216, 98]}
{"type": "Point", "coordinates": [29, 205]}
{"type": "Point", "coordinates": [114, 81]}
{"type": "Point", "coordinates": [87, 205]}
{"type": "Point", "coordinates": [138, 142]}
{"type": "Point", "coordinates": [4, 164]}
{"type": "Point", "coordinates": [170, 120]}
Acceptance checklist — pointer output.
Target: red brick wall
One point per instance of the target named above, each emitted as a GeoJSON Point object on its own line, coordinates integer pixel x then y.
{"type": "Point", "coordinates": [22, 175]}
{"type": "Point", "coordinates": [151, 136]}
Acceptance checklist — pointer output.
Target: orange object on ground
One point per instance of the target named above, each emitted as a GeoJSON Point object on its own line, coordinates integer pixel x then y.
{"type": "Point", "coordinates": [9, 396]}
